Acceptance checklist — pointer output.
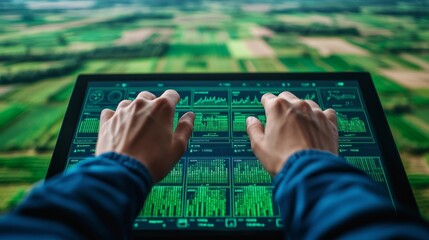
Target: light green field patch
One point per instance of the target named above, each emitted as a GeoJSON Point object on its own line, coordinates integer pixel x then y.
{"type": "Point", "coordinates": [173, 65]}
{"type": "Point", "coordinates": [239, 49]}
{"type": "Point", "coordinates": [369, 63]}
{"type": "Point", "coordinates": [96, 66]}
{"type": "Point", "coordinates": [141, 65]}
{"type": "Point", "coordinates": [222, 65]}
{"type": "Point", "coordinates": [13, 50]}
{"type": "Point", "coordinates": [128, 66]}
{"type": "Point", "coordinates": [268, 65]}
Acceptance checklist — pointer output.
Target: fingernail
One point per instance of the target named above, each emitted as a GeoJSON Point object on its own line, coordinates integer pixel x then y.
{"type": "Point", "coordinates": [190, 114]}
{"type": "Point", "coordinates": [249, 120]}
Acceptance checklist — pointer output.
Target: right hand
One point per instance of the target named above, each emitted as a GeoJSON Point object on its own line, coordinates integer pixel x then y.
{"type": "Point", "coordinates": [292, 125]}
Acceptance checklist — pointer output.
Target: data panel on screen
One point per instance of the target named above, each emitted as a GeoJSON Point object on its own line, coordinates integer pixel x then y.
{"type": "Point", "coordinates": [218, 183]}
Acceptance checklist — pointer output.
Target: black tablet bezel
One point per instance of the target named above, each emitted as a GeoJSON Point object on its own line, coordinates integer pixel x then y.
{"type": "Point", "coordinates": [401, 188]}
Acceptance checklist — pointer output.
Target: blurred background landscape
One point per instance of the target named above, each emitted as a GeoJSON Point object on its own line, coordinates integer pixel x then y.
{"type": "Point", "coordinates": [44, 45]}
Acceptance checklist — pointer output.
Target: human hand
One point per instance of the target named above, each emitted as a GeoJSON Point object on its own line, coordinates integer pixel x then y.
{"type": "Point", "coordinates": [292, 125]}
{"type": "Point", "coordinates": [143, 129]}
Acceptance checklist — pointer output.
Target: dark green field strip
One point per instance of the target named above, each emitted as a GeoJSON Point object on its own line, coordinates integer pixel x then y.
{"type": "Point", "coordinates": [63, 94]}
{"type": "Point", "coordinates": [422, 113]}
{"type": "Point", "coordinates": [216, 50]}
{"type": "Point", "coordinates": [336, 63]}
{"type": "Point", "coordinates": [425, 57]}
{"type": "Point", "coordinates": [242, 65]}
{"type": "Point", "coordinates": [371, 20]}
{"type": "Point", "coordinates": [39, 40]}
{"type": "Point", "coordinates": [385, 85]}
{"type": "Point", "coordinates": [395, 60]}
{"type": "Point", "coordinates": [301, 64]}
{"type": "Point", "coordinates": [47, 141]}
{"type": "Point", "coordinates": [10, 113]}
{"type": "Point", "coordinates": [26, 131]}
{"type": "Point", "coordinates": [419, 180]}
{"type": "Point", "coordinates": [39, 92]}
{"type": "Point", "coordinates": [408, 131]}
{"type": "Point", "coordinates": [420, 98]}
{"type": "Point", "coordinates": [23, 169]}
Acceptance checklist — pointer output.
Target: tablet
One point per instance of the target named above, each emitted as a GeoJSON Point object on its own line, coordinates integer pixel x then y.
{"type": "Point", "coordinates": [218, 188]}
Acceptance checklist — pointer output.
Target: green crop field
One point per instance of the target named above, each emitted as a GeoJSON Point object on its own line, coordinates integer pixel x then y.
{"type": "Point", "coordinates": [43, 50]}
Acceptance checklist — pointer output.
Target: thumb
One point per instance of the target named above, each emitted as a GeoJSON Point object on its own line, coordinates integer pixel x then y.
{"type": "Point", "coordinates": [183, 132]}
{"type": "Point", "coordinates": [255, 129]}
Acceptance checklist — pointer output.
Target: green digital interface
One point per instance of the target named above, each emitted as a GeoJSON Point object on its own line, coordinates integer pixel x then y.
{"type": "Point", "coordinates": [218, 183]}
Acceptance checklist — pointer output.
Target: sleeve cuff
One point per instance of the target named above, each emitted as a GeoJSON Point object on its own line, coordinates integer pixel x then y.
{"type": "Point", "coordinates": [295, 157]}
{"type": "Point", "coordinates": [130, 163]}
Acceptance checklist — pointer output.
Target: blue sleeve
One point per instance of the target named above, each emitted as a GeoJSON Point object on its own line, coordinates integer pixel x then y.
{"type": "Point", "coordinates": [321, 196]}
{"type": "Point", "coordinates": [99, 199]}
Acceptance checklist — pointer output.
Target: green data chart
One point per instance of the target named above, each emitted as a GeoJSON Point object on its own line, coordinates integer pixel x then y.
{"type": "Point", "coordinates": [218, 183]}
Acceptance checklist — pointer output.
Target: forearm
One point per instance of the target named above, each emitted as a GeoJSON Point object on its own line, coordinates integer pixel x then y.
{"type": "Point", "coordinates": [98, 200]}
{"type": "Point", "coordinates": [323, 197]}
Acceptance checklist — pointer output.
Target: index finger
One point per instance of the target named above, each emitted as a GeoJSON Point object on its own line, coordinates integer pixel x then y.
{"type": "Point", "coordinates": [266, 97]}
{"type": "Point", "coordinates": [172, 96]}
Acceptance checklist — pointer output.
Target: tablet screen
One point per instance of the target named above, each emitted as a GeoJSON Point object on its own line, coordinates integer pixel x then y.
{"type": "Point", "coordinates": [219, 184]}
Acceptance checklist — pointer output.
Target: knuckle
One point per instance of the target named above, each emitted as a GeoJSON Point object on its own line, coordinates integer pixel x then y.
{"type": "Point", "coordinates": [279, 103]}
{"type": "Point", "coordinates": [284, 94]}
{"type": "Point", "coordinates": [123, 102]}
{"type": "Point", "coordinates": [312, 103]}
{"type": "Point", "coordinates": [163, 103]}
{"type": "Point", "coordinates": [139, 103]}
{"type": "Point", "coordinates": [319, 114]}
{"type": "Point", "coordinates": [302, 105]}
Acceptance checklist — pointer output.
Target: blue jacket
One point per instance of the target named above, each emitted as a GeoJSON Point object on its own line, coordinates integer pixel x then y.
{"type": "Point", "coordinates": [320, 196]}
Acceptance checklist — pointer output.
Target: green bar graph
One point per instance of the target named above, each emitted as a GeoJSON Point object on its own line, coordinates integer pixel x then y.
{"type": "Point", "coordinates": [206, 202]}
{"type": "Point", "coordinates": [253, 201]}
{"type": "Point", "coordinates": [207, 171]}
{"type": "Point", "coordinates": [210, 122]}
{"type": "Point", "coordinates": [353, 124]}
{"type": "Point", "coordinates": [249, 172]}
{"type": "Point", "coordinates": [163, 201]}
{"type": "Point", "coordinates": [89, 125]}
{"type": "Point", "coordinates": [239, 122]}
{"type": "Point", "coordinates": [370, 165]}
